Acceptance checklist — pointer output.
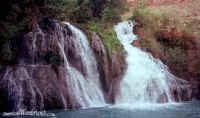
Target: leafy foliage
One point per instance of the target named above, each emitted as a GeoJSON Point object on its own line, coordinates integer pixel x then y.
{"type": "Point", "coordinates": [21, 16]}
{"type": "Point", "coordinates": [93, 26]}
{"type": "Point", "coordinates": [111, 42]}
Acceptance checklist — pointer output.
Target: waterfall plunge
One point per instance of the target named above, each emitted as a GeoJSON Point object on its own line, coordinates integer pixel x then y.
{"type": "Point", "coordinates": [147, 80]}
{"type": "Point", "coordinates": [85, 89]}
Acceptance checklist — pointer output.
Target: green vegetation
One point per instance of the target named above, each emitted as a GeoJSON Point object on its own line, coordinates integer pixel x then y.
{"type": "Point", "coordinates": [140, 4]}
{"type": "Point", "coordinates": [108, 35]}
{"type": "Point", "coordinates": [111, 42]}
{"type": "Point", "coordinates": [93, 26]}
{"type": "Point", "coordinates": [21, 16]}
{"type": "Point", "coordinates": [147, 18]}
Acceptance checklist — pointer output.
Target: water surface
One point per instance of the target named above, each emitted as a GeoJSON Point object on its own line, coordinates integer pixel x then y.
{"type": "Point", "coordinates": [172, 110]}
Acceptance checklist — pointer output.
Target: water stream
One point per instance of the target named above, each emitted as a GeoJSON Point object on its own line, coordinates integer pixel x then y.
{"type": "Point", "coordinates": [147, 80]}
{"type": "Point", "coordinates": [85, 89]}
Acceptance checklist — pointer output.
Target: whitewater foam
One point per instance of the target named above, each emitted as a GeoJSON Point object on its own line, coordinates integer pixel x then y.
{"type": "Point", "coordinates": [146, 80]}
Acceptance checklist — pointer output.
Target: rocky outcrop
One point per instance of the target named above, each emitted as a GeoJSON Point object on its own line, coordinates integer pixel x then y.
{"type": "Point", "coordinates": [111, 68]}
{"type": "Point", "coordinates": [34, 88]}
{"type": "Point", "coordinates": [38, 78]}
{"type": "Point", "coordinates": [37, 81]}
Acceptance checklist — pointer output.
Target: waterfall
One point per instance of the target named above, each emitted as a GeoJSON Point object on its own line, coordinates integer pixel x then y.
{"type": "Point", "coordinates": [146, 80]}
{"type": "Point", "coordinates": [76, 83]}
{"type": "Point", "coordinates": [86, 88]}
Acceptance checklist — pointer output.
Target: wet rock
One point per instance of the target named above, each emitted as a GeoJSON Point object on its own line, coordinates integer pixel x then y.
{"type": "Point", "coordinates": [37, 80]}
{"type": "Point", "coordinates": [196, 89]}
{"type": "Point", "coordinates": [34, 88]}
{"type": "Point", "coordinates": [73, 54]}
{"type": "Point", "coordinates": [35, 46]}
{"type": "Point", "coordinates": [41, 77]}
{"type": "Point", "coordinates": [102, 60]}
{"type": "Point", "coordinates": [111, 69]}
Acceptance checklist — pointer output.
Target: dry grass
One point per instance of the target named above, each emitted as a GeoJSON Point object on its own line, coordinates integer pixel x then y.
{"type": "Point", "coordinates": [170, 32]}
{"type": "Point", "coordinates": [186, 13]}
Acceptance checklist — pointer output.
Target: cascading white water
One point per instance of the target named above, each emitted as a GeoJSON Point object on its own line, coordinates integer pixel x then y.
{"type": "Point", "coordinates": [85, 89]}
{"type": "Point", "coordinates": [147, 80]}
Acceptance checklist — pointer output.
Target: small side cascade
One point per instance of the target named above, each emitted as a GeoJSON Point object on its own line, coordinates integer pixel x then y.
{"type": "Point", "coordinates": [85, 88]}
{"type": "Point", "coordinates": [146, 80]}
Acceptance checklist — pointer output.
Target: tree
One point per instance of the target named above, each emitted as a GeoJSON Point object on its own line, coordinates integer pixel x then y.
{"type": "Point", "coordinates": [97, 7]}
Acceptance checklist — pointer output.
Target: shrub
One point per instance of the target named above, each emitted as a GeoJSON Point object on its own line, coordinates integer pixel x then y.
{"type": "Point", "coordinates": [152, 20]}
{"type": "Point", "coordinates": [111, 41]}
{"type": "Point", "coordinates": [140, 4]}
{"type": "Point", "coordinates": [110, 14]}
{"type": "Point", "coordinates": [82, 14]}
{"type": "Point", "coordinates": [93, 26]}
{"type": "Point", "coordinates": [22, 16]}
{"type": "Point", "coordinates": [176, 56]}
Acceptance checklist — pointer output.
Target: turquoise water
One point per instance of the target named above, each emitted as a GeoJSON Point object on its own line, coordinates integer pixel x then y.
{"type": "Point", "coordinates": [181, 110]}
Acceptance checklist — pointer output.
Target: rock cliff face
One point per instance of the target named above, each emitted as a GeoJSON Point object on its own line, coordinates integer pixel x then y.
{"type": "Point", "coordinates": [109, 67]}
{"type": "Point", "coordinates": [37, 80]}
{"type": "Point", "coordinates": [33, 88]}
